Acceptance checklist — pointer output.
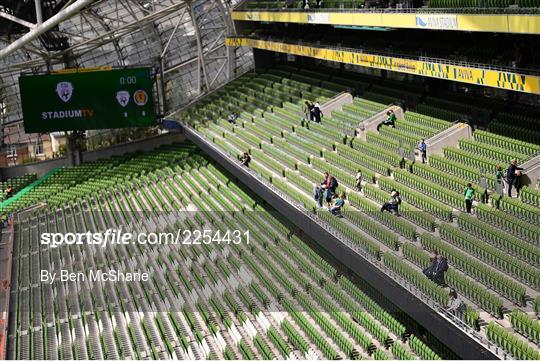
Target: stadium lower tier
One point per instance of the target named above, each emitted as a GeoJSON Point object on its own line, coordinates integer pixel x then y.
{"type": "Point", "coordinates": [16, 184]}
{"type": "Point", "coordinates": [493, 269]}
{"type": "Point", "coordinates": [265, 296]}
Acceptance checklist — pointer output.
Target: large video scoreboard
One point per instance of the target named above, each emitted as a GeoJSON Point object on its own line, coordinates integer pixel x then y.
{"type": "Point", "coordinates": [84, 100]}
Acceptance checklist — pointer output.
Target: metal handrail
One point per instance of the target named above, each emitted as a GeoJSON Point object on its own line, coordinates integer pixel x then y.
{"type": "Point", "coordinates": [368, 51]}
{"type": "Point", "coordinates": [456, 321]}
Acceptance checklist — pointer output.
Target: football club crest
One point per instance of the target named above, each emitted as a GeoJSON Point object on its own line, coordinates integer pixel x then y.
{"type": "Point", "coordinates": [64, 90]}
{"type": "Point", "coordinates": [140, 97]}
{"type": "Point", "coordinates": [122, 97]}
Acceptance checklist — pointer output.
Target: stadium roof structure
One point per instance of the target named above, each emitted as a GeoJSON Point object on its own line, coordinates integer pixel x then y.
{"type": "Point", "coordinates": [183, 40]}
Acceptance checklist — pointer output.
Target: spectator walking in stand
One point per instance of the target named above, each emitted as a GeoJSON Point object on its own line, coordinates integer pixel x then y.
{"type": "Point", "coordinates": [469, 197]}
{"type": "Point", "coordinates": [359, 178]}
{"type": "Point", "coordinates": [306, 110]}
{"type": "Point", "coordinates": [517, 181]}
{"type": "Point", "coordinates": [499, 180]}
{"type": "Point", "coordinates": [422, 147]}
{"type": "Point", "coordinates": [233, 117]}
{"type": "Point", "coordinates": [9, 192]}
{"type": "Point", "coordinates": [511, 176]}
{"type": "Point", "coordinates": [499, 184]}
{"type": "Point", "coordinates": [317, 113]}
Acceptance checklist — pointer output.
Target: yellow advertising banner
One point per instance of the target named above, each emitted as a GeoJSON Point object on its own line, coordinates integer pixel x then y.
{"type": "Point", "coordinates": [487, 77]}
{"type": "Point", "coordinates": [500, 23]}
{"type": "Point", "coordinates": [81, 70]}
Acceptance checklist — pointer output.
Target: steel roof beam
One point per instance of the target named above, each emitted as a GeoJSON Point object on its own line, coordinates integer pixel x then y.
{"type": "Point", "coordinates": [38, 30]}
{"type": "Point", "coordinates": [17, 20]}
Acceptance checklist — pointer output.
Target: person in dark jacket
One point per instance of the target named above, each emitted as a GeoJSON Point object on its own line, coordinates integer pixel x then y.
{"type": "Point", "coordinates": [392, 205]}
{"type": "Point", "coordinates": [245, 159]}
{"type": "Point", "coordinates": [427, 271]}
{"type": "Point", "coordinates": [440, 266]}
{"type": "Point", "coordinates": [317, 113]}
{"type": "Point", "coordinates": [517, 181]}
{"type": "Point", "coordinates": [233, 117]}
{"type": "Point", "coordinates": [511, 176]}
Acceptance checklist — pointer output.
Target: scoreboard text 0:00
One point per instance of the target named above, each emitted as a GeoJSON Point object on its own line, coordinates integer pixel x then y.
{"type": "Point", "coordinates": [87, 100]}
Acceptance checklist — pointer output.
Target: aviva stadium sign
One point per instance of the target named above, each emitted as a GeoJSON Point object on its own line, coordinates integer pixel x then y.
{"type": "Point", "coordinates": [87, 100]}
{"type": "Point", "coordinates": [436, 21]}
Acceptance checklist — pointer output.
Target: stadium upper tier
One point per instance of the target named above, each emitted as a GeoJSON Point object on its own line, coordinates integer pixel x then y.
{"type": "Point", "coordinates": [445, 15]}
{"type": "Point", "coordinates": [454, 70]}
{"type": "Point", "coordinates": [458, 48]}
{"type": "Point", "coordinates": [273, 297]}
{"type": "Point", "coordinates": [494, 255]}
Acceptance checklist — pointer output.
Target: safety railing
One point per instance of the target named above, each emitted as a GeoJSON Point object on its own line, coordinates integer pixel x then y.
{"type": "Point", "coordinates": [456, 321]}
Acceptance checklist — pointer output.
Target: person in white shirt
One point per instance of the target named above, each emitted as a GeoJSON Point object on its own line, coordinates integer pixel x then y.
{"type": "Point", "coordinates": [359, 178]}
{"type": "Point", "coordinates": [455, 304]}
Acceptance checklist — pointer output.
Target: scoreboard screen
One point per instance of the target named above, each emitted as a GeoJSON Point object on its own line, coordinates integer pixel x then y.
{"type": "Point", "coordinates": [87, 100]}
